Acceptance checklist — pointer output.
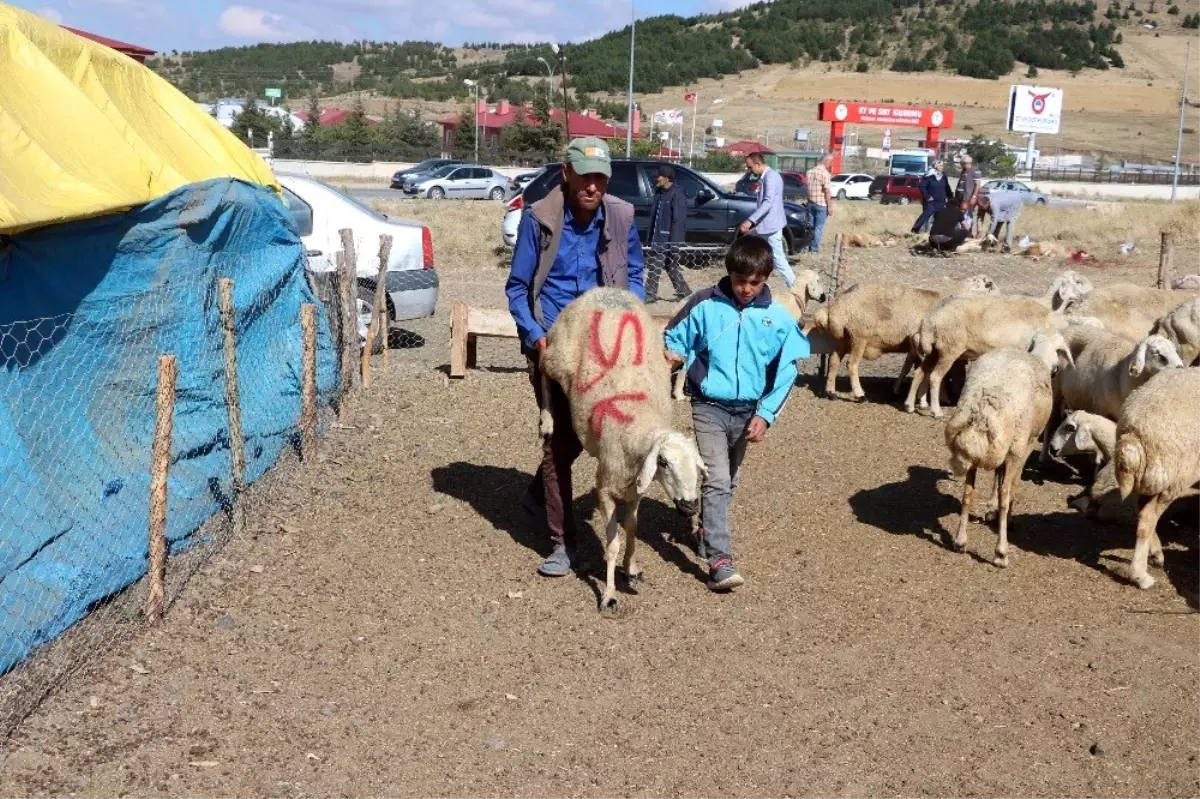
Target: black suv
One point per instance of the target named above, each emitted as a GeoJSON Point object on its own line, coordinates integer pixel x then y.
{"type": "Point", "coordinates": [713, 214]}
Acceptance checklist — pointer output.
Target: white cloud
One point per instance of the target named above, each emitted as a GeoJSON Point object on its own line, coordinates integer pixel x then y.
{"type": "Point", "coordinates": [264, 26]}
{"type": "Point", "coordinates": [52, 14]}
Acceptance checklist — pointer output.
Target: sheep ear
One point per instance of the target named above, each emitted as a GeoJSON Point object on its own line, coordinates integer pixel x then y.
{"type": "Point", "coordinates": [1083, 438]}
{"type": "Point", "coordinates": [649, 468]}
{"type": "Point", "coordinates": [1139, 358]}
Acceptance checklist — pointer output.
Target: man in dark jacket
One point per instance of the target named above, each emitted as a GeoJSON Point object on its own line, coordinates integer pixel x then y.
{"type": "Point", "coordinates": [950, 228]}
{"type": "Point", "coordinates": [668, 222]}
{"type": "Point", "coordinates": [935, 190]}
{"type": "Point", "coordinates": [576, 238]}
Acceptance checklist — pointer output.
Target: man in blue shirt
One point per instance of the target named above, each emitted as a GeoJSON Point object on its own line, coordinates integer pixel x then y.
{"type": "Point", "coordinates": [574, 239]}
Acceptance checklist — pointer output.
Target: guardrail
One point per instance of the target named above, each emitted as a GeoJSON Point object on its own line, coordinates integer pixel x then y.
{"type": "Point", "coordinates": [1127, 176]}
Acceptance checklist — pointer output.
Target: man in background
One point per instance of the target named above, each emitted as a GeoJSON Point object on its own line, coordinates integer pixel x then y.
{"type": "Point", "coordinates": [768, 219]}
{"type": "Point", "coordinates": [668, 230]}
{"type": "Point", "coordinates": [970, 181]}
{"type": "Point", "coordinates": [935, 191]}
{"type": "Point", "coordinates": [820, 199]}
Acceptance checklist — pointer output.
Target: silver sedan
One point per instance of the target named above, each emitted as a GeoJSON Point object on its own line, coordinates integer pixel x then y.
{"type": "Point", "coordinates": [1028, 195]}
{"type": "Point", "coordinates": [465, 182]}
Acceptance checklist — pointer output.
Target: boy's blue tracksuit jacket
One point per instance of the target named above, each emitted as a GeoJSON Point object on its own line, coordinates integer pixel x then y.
{"type": "Point", "coordinates": [738, 357]}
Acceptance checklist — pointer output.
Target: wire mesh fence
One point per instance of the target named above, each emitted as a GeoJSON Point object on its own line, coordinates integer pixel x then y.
{"type": "Point", "coordinates": [126, 440]}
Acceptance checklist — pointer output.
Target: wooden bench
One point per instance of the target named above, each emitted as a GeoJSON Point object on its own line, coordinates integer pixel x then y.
{"type": "Point", "coordinates": [468, 323]}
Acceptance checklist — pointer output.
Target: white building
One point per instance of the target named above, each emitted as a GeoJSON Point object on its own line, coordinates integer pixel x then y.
{"type": "Point", "coordinates": [227, 108]}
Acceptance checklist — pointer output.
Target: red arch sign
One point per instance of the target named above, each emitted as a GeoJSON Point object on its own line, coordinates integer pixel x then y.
{"type": "Point", "coordinates": [839, 113]}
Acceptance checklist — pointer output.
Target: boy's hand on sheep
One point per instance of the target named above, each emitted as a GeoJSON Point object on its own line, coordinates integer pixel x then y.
{"type": "Point", "coordinates": [756, 430]}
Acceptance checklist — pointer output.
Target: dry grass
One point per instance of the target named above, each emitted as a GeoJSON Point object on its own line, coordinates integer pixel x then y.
{"type": "Point", "coordinates": [465, 228]}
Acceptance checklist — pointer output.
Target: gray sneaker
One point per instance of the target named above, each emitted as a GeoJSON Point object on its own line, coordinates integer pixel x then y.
{"type": "Point", "coordinates": [722, 576]}
{"type": "Point", "coordinates": [558, 564]}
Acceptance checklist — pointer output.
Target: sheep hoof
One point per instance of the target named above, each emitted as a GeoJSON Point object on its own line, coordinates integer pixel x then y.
{"type": "Point", "coordinates": [1000, 561]}
{"type": "Point", "coordinates": [939, 414]}
{"type": "Point", "coordinates": [1142, 581]}
{"type": "Point", "coordinates": [1157, 559]}
{"type": "Point", "coordinates": [859, 397]}
{"type": "Point", "coordinates": [609, 606]}
{"type": "Point", "coordinates": [957, 545]}
{"type": "Point", "coordinates": [909, 408]}
{"type": "Point", "coordinates": [630, 578]}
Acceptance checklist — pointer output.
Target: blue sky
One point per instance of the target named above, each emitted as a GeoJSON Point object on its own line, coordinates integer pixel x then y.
{"type": "Point", "coordinates": [202, 24]}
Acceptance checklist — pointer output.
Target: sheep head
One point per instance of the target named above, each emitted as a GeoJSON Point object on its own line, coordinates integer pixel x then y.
{"type": "Point", "coordinates": [675, 462]}
{"type": "Point", "coordinates": [809, 285]}
{"type": "Point", "coordinates": [1072, 436]}
{"type": "Point", "coordinates": [1052, 350]}
{"type": "Point", "coordinates": [1154, 353]}
{"type": "Point", "coordinates": [1067, 288]}
{"type": "Point", "coordinates": [979, 284]}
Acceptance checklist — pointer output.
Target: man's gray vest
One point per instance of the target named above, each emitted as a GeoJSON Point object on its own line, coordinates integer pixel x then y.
{"type": "Point", "coordinates": [612, 253]}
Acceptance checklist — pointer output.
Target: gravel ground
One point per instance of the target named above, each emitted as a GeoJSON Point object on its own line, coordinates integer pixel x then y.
{"type": "Point", "coordinates": [380, 629]}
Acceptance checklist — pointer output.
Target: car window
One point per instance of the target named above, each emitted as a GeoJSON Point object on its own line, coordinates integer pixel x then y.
{"type": "Point", "coordinates": [690, 184]}
{"type": "Point", "coordinates": [442, 172]}
{"type": "Point", "coordinates": [300, 211]}
{"type": "Point", "coordinates": [624, 182]}
{"type": "Point", "coordinates": [861, 179]}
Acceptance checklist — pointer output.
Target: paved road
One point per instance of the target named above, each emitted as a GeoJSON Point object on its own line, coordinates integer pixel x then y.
{"type": "Point", "coordinates": [369, 194]}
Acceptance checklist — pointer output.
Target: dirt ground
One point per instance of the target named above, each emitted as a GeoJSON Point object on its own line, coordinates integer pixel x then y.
{"type": "Point", "coordinates": [380, 629]}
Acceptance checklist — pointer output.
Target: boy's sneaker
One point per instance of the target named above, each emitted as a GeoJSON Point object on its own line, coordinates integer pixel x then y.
{"type": "Point", "coordinates": [722, 576]}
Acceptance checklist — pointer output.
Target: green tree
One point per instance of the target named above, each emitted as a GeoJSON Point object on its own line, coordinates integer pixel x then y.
{"type": "Point", "coordinates": [252, 120]}
{"type": "Point", "coordinates": [355, 131]}
{"type": "Point", "coordinates": [464, 133]}
{"type": "Point", "coordinates": [991, 158]}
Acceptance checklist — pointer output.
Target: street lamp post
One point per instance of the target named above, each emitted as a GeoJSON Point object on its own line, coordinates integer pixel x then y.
{"type": "Point", "coordinates": [550, 74]}
{"type": "Point", "coordinates": [629, 99]}
{"type": "Point", "coordinates": [474, 84]}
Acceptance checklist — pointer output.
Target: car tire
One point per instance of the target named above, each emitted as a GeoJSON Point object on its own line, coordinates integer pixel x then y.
{"type": "Point", "coordinates": [496, 194]}
{"type": "Point", "coordinates": [841, 195]}
{"type": "Point", "coordinates": [364, 305]}
{"type": "Point", "coordinates": [1041, 201]}
{"type": "Point", "coordinates": [436, 193]}
{"type": "Point", "coordinates": [905, 200]}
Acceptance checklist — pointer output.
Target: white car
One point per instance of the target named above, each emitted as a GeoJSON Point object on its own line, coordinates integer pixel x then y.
{"type": "Point", "coordinates": [851, 186]}
{"type": "Point", "coordinates": [319, 211]}
{"type": "Point", "coordinates": [512, 220]}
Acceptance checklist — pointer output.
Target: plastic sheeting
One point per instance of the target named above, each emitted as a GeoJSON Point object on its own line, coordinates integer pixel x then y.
{"type": "Point", "coordinates": [85, 130]}
{"type": "Point", "coordinates": [85, 311]}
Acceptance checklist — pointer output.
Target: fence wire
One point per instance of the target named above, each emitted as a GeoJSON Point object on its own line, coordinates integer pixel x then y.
{"type": "Point", "coordinates": [77, 428]}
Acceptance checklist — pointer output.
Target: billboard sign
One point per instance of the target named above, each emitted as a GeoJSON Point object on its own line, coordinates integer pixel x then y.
{"type": "Point", "coordinates": [1034, 109]}
{"type": "Point", "coordinates": [274, 94]}
{"type": "Point", "coordinates": [668, 116]}
{"type": "Point", "coordinates": [881, 114]}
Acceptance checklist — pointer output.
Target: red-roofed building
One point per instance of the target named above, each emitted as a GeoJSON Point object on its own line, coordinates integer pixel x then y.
{"type": "Point", "coordinates": [139, 54]}
{"type": "Point", "coordinates": [334, 116]}
{"type": "Point", "coordinates": [744, 148]}
{"type": "Point", "coordinates": [493, 120]}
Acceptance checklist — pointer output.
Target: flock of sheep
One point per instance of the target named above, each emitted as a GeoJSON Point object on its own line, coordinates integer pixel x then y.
{"type": "Point", "coordinates": [1121, 361]}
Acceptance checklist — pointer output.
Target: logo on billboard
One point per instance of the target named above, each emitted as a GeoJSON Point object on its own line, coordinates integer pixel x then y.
{"type": "Point", "coordinates": [841, 112]}
{"type": "Point", "coordinates": [936, 119]}
{"type": "Point", "coordinates": [1038, 105]}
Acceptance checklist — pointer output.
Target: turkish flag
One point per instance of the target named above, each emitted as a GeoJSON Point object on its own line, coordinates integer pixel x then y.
{"type": "Point", "coordinates": [689, 97]}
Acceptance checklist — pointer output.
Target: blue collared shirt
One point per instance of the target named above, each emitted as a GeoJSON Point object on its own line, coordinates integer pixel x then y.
{"type": "Point", "coordinates": [576, 269]}
{"type": "Point", "coordinates": [769, 217]}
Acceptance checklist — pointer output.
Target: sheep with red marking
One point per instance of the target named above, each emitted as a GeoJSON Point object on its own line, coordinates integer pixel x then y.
{"type": "Point", "coordinates": [606, 352]}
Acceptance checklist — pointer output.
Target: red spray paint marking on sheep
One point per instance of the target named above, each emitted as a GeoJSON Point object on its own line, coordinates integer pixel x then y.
{"type": "Point", "coordinates": [607, 407]}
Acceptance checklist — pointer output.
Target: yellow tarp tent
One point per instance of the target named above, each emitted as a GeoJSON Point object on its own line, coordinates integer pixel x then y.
{"type": "Point", "coordinates": [86, 131]}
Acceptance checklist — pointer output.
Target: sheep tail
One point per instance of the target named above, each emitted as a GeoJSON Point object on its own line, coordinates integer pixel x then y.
{"type": "Point", "coordinates": [1129, 464]}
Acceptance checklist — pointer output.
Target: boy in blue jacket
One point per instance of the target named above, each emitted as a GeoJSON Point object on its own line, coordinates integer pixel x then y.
{"type": "Point", "coordinates": [741, 350]}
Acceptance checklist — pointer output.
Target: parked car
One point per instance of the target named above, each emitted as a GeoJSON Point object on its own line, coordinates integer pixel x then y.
{"type": "Point", "coordinates": [713, 213]}
{"type": "Point", "coordinates": [795, 186]}
{"type": "Point", "coordinates": [850, 186]}
{"type": "Point", "coordinates": [902, 189]}
{"type": "Point", "coordinates": [463, 182]}
{"type": "Point", "coordinates": [423, 168]}
{"type": "Point", "coordinates": [1030, 196]}
{"type": "Point", "coordinates": [525, 178]}
{"type": "Point", "coordinates": [319, 211]}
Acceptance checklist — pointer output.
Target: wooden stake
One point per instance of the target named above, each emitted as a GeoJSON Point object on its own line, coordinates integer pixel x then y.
{"type": "Point", "coordinates": [349, 330]}
{"type": "Point", "coordinates": [308, 388]}
{"type": "Point", "coordinates": [378, 319]}
{"type": "Point", "coordinates": [1165, 253]}
{"type": "Point", "coordinates": [833, 290]}
{"type": "Point", "coordinates": [233, 406]}
{"type": "Point", "coordinates": [160, 462]}
{"type": "Point", "coordinates": [459, 319]}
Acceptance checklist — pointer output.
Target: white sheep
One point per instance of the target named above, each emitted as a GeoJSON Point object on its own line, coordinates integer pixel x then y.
{"type": "Point", "coordinates": [606, 352]}
{"type": "Point", "coordinates": [876, 318]}
{"type": "Point", "coordinates": [1182, 327]}
{"type": "Point", "coordinates": [1107, 368]}
{"type": "Point", "coordinates": [969, 327]}
{"type": "Point", "coordinates": [1065, 289]}
{"type": "Point", "coordinates": [1157, 456]}
{"type": "Point", "coordinates": [809, 285]}
{"type": "Point", "coordinates": [1089, 434]}
{"type": "Point", "coordinates": [1004, 405]}
{"type": "Point", "coordinates": [1129, 309]}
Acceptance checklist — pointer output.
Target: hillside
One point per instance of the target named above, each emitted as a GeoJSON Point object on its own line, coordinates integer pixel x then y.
{"type": "Point", "coordinates": [976, 38]}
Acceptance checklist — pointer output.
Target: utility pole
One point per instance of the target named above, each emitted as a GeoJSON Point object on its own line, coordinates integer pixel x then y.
{"type": "Point", "coordinates": [566, 106]}
{"type": "Point", "coordinates": [474, 84]}
{"type": "Point", "coordinates": [629, 115]}
{"type": "Point", "coordinates": [1182, 113]}
{"type": "Point", "coordinates": [695, 110]}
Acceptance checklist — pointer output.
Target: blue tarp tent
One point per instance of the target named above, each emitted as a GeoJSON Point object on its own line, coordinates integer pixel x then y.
{"type": "Point", "coordinates": [86, 308]}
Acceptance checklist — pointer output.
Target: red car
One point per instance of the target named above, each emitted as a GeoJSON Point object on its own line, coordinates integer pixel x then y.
{"type": "Point", "coordinates": [902, 189]}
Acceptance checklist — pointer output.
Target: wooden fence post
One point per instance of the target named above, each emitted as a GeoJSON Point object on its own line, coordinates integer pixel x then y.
{"type": "Point", "coordinates": [1165, 253]}
{"type": "Point", "coordinates": [349, 330]}
{"type": "Point", "coordinates": [160, 462]}
{"type": "Point", "coordinates": [835, 280]}
{"type": "Point", "coordinates": [378, 320]}
{"type": "Point", "coordinates": [459, 318]}
{"type": "Point", "coordinates": [308, 387]}
{"type": "Point", "coordinates": [233, 407]}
